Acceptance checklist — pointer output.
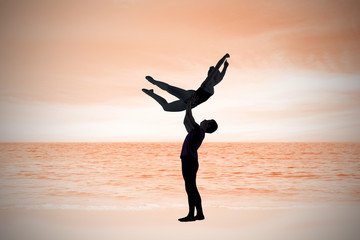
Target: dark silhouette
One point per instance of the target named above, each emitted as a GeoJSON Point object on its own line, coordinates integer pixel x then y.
{"type": "Point", "coordinates": [203, 93]}
{"type": "Point", "coordinates": [189, 160]}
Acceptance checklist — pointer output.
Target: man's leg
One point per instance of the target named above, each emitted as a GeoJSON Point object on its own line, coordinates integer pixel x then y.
{"type": "Point", "coordinates": [198, 205]}
{"type": "Point", "coordinates": [194, 192]}
{"type": "Point", "coordinates": [191, 201]}
{"type": "Point", "coordinates": [194, 199]}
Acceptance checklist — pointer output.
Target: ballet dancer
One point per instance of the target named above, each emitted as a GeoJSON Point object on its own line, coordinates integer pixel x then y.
{"type": "Point", "coordinates": [203, 93]}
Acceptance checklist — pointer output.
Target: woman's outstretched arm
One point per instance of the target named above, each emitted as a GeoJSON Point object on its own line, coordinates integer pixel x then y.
{"type": "Point", "coordinates": [221, 61]}
{"type": "Point", "coordinates": [218, 65]}
{"type": "Point", "coordinates": [222, 74]}
{"type": "Point", "coordinates": [210, 80]}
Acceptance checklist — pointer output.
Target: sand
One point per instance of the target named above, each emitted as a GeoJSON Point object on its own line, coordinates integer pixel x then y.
{"type": "Point", "coordinates": [331, 223]}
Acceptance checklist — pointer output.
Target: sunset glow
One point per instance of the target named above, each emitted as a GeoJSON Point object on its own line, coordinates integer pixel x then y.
{"type": "Point", "coordinates": [74, 70]}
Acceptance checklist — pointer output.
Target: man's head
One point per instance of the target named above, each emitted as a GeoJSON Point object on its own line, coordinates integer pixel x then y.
{"type": "Point", "coordinates": [209, 126]}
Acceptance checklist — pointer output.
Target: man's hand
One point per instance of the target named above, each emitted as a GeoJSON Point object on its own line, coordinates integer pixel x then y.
{"type": "Point", "coordinates": [227, 55]}
{"type": "Point", "coordinates": [193, 99]}
{"type": "Point", "coordinates": [189, 120]}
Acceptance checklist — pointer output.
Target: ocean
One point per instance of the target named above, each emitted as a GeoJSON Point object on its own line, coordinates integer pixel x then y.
{"type": "Point", "coordinates": [107, 176]}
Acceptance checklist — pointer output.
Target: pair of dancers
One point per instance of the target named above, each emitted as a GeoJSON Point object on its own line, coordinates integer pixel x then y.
{"type": "Point", "coordinates": [189, 99]}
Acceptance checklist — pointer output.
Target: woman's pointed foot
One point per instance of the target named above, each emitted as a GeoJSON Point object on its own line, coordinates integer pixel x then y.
{"type": "Point", "coordinates": [147, 91]}
{"type": "Point", "coordinates": [187, 219]}
{"type": "Point", "coordinates": [150, 79]}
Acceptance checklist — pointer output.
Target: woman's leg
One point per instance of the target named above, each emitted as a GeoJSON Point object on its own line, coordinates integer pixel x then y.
{"type": "Point", "coordinates": [175, 106]}
{"type": "Point", "coordinates": [177, 92]}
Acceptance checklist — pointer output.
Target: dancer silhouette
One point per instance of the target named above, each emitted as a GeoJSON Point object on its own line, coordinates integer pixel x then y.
{"type": "Point", "coordinates": [189, 160]}
{"type": "Point", "coordinates": [203, 93]}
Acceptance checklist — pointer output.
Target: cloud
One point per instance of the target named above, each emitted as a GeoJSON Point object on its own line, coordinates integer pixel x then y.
{"type": "Point", "coordinates": [293, 64]}
{"type": "Point", "coordinates": [290, 105]}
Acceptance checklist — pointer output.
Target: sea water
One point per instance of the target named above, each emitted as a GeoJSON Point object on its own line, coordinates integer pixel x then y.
{"type": "Point", "coordinates": [108, 176]}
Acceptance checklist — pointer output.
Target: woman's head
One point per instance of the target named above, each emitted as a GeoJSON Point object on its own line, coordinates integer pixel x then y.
{"type": "Point", "coordinates": [211, 69]}
{"type": "Point", "coordinates": [209, 126]}
{"type": "Point", "coordinates": [214, 72]}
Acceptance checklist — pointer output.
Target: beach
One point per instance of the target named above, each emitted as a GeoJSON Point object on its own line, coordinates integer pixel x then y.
{"type": "Point", "coordinates": [330, 222]}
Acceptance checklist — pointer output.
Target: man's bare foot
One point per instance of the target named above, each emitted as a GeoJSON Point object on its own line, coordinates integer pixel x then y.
{"type": "Point", "coordinates": [199, 217]}
{"type": "Point", "coordinates": [187, 219]}
{"type": "Point", "coordinates": [148, 92]}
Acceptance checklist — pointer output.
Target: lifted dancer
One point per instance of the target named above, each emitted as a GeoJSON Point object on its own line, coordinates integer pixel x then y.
{"type": "Point", "coordinates": [203, 93]}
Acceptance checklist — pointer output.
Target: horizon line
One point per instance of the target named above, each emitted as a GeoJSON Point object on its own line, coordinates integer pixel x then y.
{"type": "Point", "coordinates": [27, 142]}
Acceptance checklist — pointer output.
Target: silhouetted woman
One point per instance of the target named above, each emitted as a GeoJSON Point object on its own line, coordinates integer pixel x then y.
{"type": "Point", "coordinates": [203, 93]}
{"type": "Point", "coordinates": [189, 160]}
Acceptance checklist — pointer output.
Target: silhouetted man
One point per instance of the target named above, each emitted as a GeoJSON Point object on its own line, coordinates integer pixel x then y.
{"type": "Point", "coordinates": [189, 159]}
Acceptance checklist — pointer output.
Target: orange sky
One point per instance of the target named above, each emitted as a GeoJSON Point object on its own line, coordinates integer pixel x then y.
{"type": "Point", "coordinates": [73, 70]}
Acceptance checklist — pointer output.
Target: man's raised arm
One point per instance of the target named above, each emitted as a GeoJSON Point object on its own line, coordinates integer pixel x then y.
{"type": "Point", "coordinates": [189, 120]}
